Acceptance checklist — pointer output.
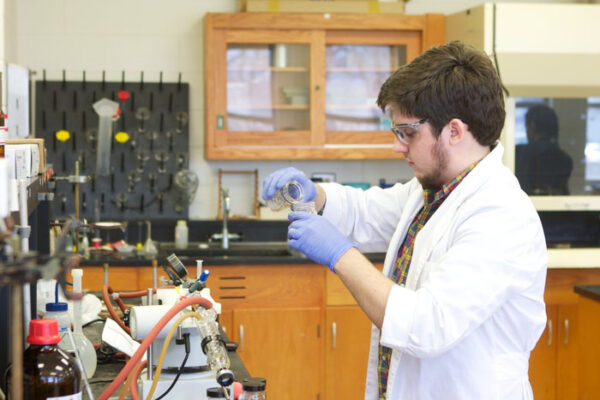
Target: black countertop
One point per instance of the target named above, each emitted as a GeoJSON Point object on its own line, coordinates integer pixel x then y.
{"type": "Point", "coordinates": [242, 253]}
{"type": "Point", "coordinates": [589, 291]}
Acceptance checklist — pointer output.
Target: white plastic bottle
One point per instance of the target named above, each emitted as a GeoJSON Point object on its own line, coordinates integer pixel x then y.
{"type": "Point", "coordinates": [59, 312]}
{"type": "Point", "coordinates": [181, 235]}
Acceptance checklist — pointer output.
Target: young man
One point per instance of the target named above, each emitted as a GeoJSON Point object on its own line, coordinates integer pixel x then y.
{"type": "Point", "coordinates": [459, 305]}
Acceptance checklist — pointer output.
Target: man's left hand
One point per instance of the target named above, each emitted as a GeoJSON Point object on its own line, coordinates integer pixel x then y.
{"type": "Point", "coordinates": [316, 237]}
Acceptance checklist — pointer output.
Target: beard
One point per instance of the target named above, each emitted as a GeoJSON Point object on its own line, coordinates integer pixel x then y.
{"type": "Point", "coordinates": [433, 180]}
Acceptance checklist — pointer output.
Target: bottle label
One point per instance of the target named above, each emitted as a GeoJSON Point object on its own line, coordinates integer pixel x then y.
{"type": "Point", "coordinates": [76, 396]}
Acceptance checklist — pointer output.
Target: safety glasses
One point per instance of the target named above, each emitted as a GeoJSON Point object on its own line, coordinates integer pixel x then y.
{"type": "Point", "coordinates": [405, 132]}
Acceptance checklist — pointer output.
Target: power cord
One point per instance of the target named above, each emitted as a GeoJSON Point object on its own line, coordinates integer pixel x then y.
{"type": "Point", "coordinates": [186, 337]}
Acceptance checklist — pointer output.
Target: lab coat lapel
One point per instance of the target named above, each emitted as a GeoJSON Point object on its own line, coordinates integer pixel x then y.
{"type": "Point", "coordinates": [412, 207]}
{"type": "Point", "coordinates": [434, 230]}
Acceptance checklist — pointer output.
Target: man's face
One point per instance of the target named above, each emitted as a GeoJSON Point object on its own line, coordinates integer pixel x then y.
{"type": "Point", "coordinates": [426, 155]}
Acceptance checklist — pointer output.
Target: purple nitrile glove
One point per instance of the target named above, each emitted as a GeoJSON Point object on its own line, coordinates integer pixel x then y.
{"type": "Point", "coordinates": [279, 178]}
{"type": "Point", "coordinates": [316, 237]}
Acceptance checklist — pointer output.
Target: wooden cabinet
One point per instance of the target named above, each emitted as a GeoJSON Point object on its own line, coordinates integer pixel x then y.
{"type": "Point", "coordinates": [304, 86]}
{"type": "Point", "coordinates": [275, 314]}
{"type": "Point", "coordinates": [299, 327]}
{"type": "Point", "coordinates": [559, 365]}
{"type": "Point", "coordinates": [589, 360]}
{"type": "Point", "coordinates": [348, 331]}
{"type": "Point", "coordinates": [347, 338]}
{"type": "Point", "coordinates": [282, 345]}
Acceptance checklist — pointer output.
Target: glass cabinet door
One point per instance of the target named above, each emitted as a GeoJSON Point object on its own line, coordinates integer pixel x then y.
{"type": "Point", "coordinates": [268, 87]}
{"type": "Point", "coordinates": [356, 65]}
{"type": "Point", "coordinates": [354, 75]}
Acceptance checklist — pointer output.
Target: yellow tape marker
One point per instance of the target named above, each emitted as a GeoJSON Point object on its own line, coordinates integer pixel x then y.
{"type": "Point", "coordinates": [373, 7]}
{"type": "Point", "coordinates": [273, 6]}
{"type": "Point", "coordinates": [63, 135]}
{"type": "Point", "coordinates": [122, 137]}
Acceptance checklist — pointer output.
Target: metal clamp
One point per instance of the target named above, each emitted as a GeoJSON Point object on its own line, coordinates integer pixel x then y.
{"type": "Point", "coordinates": [45, 196]}
{"type": "Point", "coordinates": [23, 231]}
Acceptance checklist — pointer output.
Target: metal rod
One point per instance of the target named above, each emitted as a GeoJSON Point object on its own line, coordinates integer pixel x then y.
{"type": "Point", "coordinates": [105, 273]}
{"type": "Point", "coordinates": [149, 351]}
{"type": "Point", "coordinates": [25, 231]}
{"type": "Point", "coordinates": [154, 273]}
{"type": "Point", "coordinates": [16, 342]}
{"type": "Point", "coordinates": [77, 207]}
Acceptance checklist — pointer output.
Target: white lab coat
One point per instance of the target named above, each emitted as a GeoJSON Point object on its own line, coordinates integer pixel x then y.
{"type": "Point", "coordinates": [473, 306]}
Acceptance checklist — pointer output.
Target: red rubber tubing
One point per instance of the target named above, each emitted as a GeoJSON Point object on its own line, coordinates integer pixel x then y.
{"type": "Point", "coordinates": [137, 356]}
{"type": "Point", "coordinates": [129, 295]}
{"type": "Point", "coordinates": [133, 392]}
{"type": "Point", "coordinates": [106, 290]}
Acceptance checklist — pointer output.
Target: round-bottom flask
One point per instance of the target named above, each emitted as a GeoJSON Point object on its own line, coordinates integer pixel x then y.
{"type": "Point", "coordinates": [86, 351]}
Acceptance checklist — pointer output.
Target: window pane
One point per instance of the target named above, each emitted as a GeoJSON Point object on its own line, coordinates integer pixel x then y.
{"type": "Point", "coordinates": [267, 87]}
{"type": "Point", "coordinates": [558, 145]}
{"type": "Point", "coordinates": [354, 76]}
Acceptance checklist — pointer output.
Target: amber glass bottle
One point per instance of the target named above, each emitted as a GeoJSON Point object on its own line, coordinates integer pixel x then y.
{"type": "Point", "coordinates": [48, 372]}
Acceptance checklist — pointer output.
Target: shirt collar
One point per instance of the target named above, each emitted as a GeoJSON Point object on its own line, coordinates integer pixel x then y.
{"type": "Point", "coordinates": [431, 197]}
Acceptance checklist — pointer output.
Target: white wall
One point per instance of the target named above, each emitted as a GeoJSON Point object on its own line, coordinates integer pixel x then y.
{"type": "Point", "coordinates": [154, 36]}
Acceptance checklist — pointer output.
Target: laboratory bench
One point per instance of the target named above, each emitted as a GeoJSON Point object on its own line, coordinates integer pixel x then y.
{"type": "Point", "coordinates": [297, 323]}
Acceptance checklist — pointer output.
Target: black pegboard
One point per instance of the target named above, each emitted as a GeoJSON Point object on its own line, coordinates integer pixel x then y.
{"type": "Point", "coordinates": [136, 169]}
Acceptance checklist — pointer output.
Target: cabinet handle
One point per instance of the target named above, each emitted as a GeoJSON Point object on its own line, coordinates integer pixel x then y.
{"type": "Point", "coordinates": [241, 337]}
{"type": "Point", "coordinates": [333, 335]}
{"type": "Point", "coordinates": [549, 332]}
{"type": "Point", "coordinates": [566, 341]}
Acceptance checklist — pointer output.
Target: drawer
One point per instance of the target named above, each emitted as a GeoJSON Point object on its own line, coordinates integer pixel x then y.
{"type": "Point", "coordinates": [269, 286]}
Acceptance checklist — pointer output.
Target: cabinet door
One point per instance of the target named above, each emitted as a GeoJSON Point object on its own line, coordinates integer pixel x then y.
{"type": "Point", "coordinates": [567, 376]}
{"type": "Point", "coordinates": [542, 362]}
{"type": "Point", "coordinates": [266, 89]}
{"type": "Point", "coordinates": [283, 346]}
{"type": "Point", "coordinates": [348, 331]}
{"type": "Point", "coordinates": [589, 345]}
{"type": "Point", "coordinates": [356, 66]}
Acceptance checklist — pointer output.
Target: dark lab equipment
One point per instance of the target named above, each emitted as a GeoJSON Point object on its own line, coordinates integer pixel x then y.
{"type": "Point", "coordinates": [164, 108]}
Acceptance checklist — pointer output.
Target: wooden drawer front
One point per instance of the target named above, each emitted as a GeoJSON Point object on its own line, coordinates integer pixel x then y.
{"type": "Point", "coordinates": [336, 293]}
{"type": "Point", "coordinates": [267, 286]}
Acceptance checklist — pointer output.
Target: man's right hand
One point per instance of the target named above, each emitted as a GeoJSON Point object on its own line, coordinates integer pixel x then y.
{"type": "Point", "coordinates": [279, 178]}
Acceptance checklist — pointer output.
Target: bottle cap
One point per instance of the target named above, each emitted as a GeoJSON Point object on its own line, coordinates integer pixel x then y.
{"type": "Point", "coordinates": [215, 393]}
{"type": "Point", "coordinates": [181, 222]}
{"type": "Point", "coordinates": [57, 307]}
{"type": "Point", "coordinates": [43, 331]}
{"type": "Point", "coordinates": [254, 384]}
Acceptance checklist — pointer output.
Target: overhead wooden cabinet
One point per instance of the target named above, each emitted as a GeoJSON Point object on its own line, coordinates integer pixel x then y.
{"type": "Point", "coordinates": [304, 86]}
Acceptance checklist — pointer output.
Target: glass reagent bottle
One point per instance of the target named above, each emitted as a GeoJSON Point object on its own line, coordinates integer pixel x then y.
{"type": "Point", "coordinates": [291, 195]}
{"type": "Point", "coordinates": [254, 389]}
{"type": "Point", "coordinates": [48, 372]}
